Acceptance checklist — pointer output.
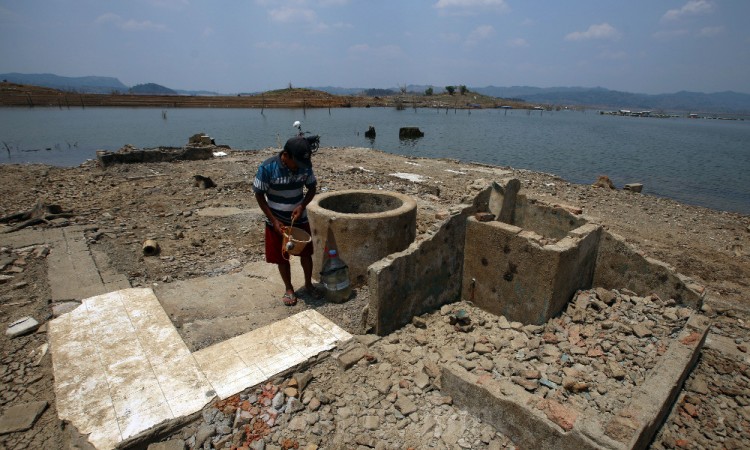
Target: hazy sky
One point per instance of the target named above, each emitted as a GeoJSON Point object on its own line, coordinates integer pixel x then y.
{"type": "Point", "coordinates": [231, 46]}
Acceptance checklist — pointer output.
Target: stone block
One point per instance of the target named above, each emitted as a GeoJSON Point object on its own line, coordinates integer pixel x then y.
{"type": "Point", "coordinates": [633, 187]}
{"type": "Point", "coordinates": [21, 417]}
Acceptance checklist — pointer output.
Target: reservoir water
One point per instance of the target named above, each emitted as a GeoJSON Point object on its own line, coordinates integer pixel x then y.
{"type": "Point", "coordinates": [696, 161]}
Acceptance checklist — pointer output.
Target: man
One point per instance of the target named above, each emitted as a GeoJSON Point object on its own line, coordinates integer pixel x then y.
{"type": "Point", "coordinates": [278, 187]}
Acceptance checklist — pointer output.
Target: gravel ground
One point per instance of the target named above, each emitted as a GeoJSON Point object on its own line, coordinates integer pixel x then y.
{"type": "Point", "coordinates": [130, 203]}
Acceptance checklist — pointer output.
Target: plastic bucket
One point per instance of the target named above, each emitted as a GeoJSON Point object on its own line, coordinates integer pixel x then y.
{"type": "Point", "coordinates": [295, 240]}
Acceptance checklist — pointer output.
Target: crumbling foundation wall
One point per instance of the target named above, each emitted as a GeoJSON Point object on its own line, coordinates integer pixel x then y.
{"type": "Point", "coordinates": [545, 220]}
{"type": "Point", "coordinates": [421, 278]}
{"type": "Point", "coordinates": [527, 272]}
{"type": "Point", "coordinates": [619, 265]}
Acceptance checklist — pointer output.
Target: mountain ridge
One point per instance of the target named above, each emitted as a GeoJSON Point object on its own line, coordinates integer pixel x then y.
{"type": "Point", "coordinates": [591, 97]}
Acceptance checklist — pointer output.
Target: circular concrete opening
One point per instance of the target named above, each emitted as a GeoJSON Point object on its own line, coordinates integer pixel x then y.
{"type": "Point", "coordinates": [360, 202]}
{"type": "Point", "coordinates": [364, 225]}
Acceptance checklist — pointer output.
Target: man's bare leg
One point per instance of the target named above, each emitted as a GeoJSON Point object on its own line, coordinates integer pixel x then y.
{"type": "Point", "coordinates": [286, 276]}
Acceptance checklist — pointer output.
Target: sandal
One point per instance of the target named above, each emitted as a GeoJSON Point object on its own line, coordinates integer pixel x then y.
{"type": "Point", "coordinates": [289, 299]}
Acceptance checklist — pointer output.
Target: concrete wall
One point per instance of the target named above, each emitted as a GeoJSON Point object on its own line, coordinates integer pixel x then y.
{"type": "Point", "coordinates": [548, 221]}
{"type": "Point", "coordinates": [519, 415]}
{"type": "Point", "coordinates": [619, 265]}
{"type": "Point", "coordinates": [508, 273]}
{"type": "Point", "coordinates": [423, 277]}
{"type": "Point", "coordinates": [545, 220]}
{"type": "Point", "coordinates": [576, 264]}
{"type": "Point", "coordinates": [506, 270]}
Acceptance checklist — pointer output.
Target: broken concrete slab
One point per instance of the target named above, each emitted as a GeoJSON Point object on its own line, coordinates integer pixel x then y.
{"type": "Point", "coordinates": [21, 417]}
{"type": "Point", "coordinates": [121, 368]}
{"type": "Point", "coordinates": [73, 272]}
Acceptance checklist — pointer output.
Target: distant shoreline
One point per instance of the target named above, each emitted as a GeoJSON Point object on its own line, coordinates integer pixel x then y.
{"type": "Point", "coordinates": [16, 95]}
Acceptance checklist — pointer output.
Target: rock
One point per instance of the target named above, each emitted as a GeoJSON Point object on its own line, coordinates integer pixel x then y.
{"type": "Point", "coordinates": [21, 417]}
{"type": "Point", "coordinates": [484, 217]}
{"type": "Point", "coordinates": [371, 422]}
{"type": "Point", "coordinates": [405, 405]}
{"type": "Point", "coordinates": [302, 380]}
{"type": "Point", "coordinates": [172, 444]}
{"type": "Point", "coordinates": [633, 187]}
{"type": "Point", "coordinates": [615, 370]}
{"type": "Point", "coordinates": [608, 297]}
{"type": "Point", "coordinates": [203, 434]}
{"type": "Point", "coordinates": [278, 400]}
{"type": "Point", "coordinates": [293, 405]}
{"type": "Point", "coordinates": [431, 369]}
{"type": "Point", "coordinates": [298, 423]}
{"type": "Point", "coordinates": [314, 404]}
{"type": "Point", "coordinates": [574, 385]}
{"type": "Point", "coordinates": [529, 385]}
{"type": "Point", "coordinates": [291, 392]}
{"type": "Point", "coordinates": [564, 417]}
{"type": "Point", "coordinates": [641, 330]}
{"type": "Point", "coordinates": [351, 356]}
{"type": "Point", "coordinates": [21, 327]}
{"type": "Point", "coordinates": [422, 380]}
{"type": "Point", "coordinates": [419, 322]}
{"type": "Point", "coordinates": [482, 348]}
{"type": "Point", "coordinates": [409, 133]}
{"type": "Point", "coordinates": [603, 182]}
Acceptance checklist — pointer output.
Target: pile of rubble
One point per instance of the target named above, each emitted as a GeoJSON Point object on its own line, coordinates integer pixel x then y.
{"type": "Point", "coordinates": [385, 392]}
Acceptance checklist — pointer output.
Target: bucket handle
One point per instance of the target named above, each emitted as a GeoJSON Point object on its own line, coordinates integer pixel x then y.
{"type": "Point", "coordinates": [286, 235]}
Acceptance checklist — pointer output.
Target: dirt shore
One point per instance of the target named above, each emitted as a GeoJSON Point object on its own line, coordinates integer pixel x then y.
{"type": "Point", "coordinates": [124, 205]}
{"type": "Point", "coordinates": [30, 96]}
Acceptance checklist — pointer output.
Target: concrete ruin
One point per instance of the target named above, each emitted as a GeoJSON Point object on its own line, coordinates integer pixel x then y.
{"type": "Point", "coordinates": [525, 264]}
{"type": "Point", "coordinates": [365, 226]}
{"type": "Point", "coordinates": [525, 267]}
{"type": "Point", "coordinates": [132, 155]}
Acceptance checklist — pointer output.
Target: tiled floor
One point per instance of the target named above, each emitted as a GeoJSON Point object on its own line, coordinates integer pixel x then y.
{"type": "Point", "coordinates": [121, 367]}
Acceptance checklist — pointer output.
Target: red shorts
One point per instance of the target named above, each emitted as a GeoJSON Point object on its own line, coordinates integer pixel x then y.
{"type": "Point", "coordinates": [274, 241]}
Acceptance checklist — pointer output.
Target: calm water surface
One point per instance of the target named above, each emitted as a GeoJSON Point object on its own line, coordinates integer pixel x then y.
{"type": "Point", "coordinates": [700, 162]}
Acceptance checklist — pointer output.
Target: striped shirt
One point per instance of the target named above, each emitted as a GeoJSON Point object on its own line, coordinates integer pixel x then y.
{"type": "Point", "coordinates": [283, 188]}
